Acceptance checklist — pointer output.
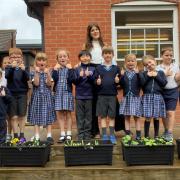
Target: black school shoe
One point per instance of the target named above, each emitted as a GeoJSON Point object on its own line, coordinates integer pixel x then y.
{"type": "Point", "coordinates": [50, 140]}
{"type": "Point", "coordinates": [62, 139]}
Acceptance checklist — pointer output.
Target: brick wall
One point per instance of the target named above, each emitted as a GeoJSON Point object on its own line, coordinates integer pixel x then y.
{"type": "Point", "coordinates": [66, 21]}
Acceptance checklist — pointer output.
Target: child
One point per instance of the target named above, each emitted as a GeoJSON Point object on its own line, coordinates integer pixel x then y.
{"type": "Point", "coordinates": [170, 92]}
{"type": "Point", "coordinates": [131, 102]}
{"type": "Point", "coordinates": [41, 108]}
{"type": "Point", "coordinates": [5, 63]}
{"type": "Point", "coordinates": [64, 103]}
{"type": "Point", "coordinates": [4, 101]}
{"type": "Point", "coordinates": [84, 81]}
{"type": "Point", "coordinates": [107, 78]}
{"type": "Point", "coordinates": [152, 82]}
{"type": "Point", "coordinates": [17, 77]}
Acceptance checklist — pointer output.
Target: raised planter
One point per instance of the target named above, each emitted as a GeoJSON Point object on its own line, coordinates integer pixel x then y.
{"type": "Point", "coordinates": [88, 153]}
{"type": "Point", "coordinates": [24, 155]}
{"type": "Point", "coordinates": [178, 147]}
{"type": "Point", "coordinates": [147, 151]}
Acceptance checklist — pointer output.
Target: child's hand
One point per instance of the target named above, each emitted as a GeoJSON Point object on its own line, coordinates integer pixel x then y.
{"type": "Point", "coordinates": [14, 64]}
{"type": "Point", "coordinates": [69, 66]}
{"type": "Point", "coordinates": [87, 72]}
{"type": "Point", "coordinates": [117, 78]}
{"type": "Point", "coordinates": [122, 71]}
{"type": "Point", "coordinates": [81, 74]}
{"type": "Point", "coordinates": [154, 73]}
{"type": "Point", "coordinates": [3, 92]}
{"type": "Point", "coordinates": [46, 70]}
{"type": "Point", "coordinates": [99, 80]}
{"type": "Point", "coordinates": [57, 66]}
{"type": "Point", "coordinates": [77, 65]}
{"type": "Point", "coordinates": [136, 70]}
{"type": "Point", "coordinates": [22, 66]}
{"type": "Point", "coordinates": [168, 72]}
{"type": "Point", "coordinates": [150, 73]}
{"type": "Point", "coordinates": [37, 69]}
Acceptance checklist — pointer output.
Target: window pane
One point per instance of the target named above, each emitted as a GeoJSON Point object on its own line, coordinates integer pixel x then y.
{"type": "Point", "coordinates": [123, 36]}
{"type": "Point", "coordinates": [152, 49]}
{"type": "Point", "coordinates": [122, 50]}
{"type": "Point", "coordinates": [151, 35]}
{"type": "Point", "coordinates": [137, 49]}
{"type": "Point", "coordinates": [166, 35]}
{"type": "Point", "coordinates": [137, 35]}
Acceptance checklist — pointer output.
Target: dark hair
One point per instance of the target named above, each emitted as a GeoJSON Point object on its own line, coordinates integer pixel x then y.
{"type": "Point", "coordinates": [89, 39]}
{"type": "Point", "coordinates": [84, 52]}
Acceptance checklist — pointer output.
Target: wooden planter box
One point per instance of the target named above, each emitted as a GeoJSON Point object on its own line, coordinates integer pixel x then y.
{"type": "Point", "coordinates": [88, 155]}
{"type": "Point", "coordinates": [178, 147]}
{"type": "Point", "coordinates": [148, 155]}
{"type": "Point", "coordinates": [24, 156]}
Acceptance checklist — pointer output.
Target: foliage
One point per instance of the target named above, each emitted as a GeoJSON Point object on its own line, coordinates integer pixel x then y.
{"type": "Point", "coordinates": [128, 141]}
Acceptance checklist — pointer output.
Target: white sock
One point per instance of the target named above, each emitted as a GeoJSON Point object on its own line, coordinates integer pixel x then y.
{"type": "Point", "coordinates": [37, 136]}
{"type": "Point", "coordinates": [49, 135]}
{"type": "Point", "coordinates": [63, 133]}
{"type": "Point", "coordinates": [69, 133]}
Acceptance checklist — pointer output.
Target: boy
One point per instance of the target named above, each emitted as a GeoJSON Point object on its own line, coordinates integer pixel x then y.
{"type": "Point", "coordinates": [4, 101]}
{"type": "Point", "coordinates": [17, 83]}
{"type": "Point", "coordinates": [83, 78]}
{"type": "Point", "coordinates": [107, 79]}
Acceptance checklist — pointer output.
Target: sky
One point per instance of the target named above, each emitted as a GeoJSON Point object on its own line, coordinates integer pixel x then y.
{"type": "Point", "coordinates": [13, 15]}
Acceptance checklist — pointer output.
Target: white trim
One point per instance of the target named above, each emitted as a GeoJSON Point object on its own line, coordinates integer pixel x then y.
{"type": "Point", "coordinates": [144, 6]}
{"type": "Point", "coordinates": [142, 3]}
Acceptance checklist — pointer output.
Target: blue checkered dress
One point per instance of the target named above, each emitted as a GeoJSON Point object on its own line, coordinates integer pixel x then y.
{"type": "Point", "coordinates": [63, 98]}
{"type": "Point", "coordinates": [153, 106]}
{"type": "Point", "coordinates": [131, 105]}
{"type": "Point", "coordinates": [41, 107]}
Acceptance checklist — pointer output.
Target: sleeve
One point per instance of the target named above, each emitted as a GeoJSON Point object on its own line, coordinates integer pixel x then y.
{"type": "Point", "coordinates": [144, 78]}
{"type": "Point", "coordinates": [25, 75]}
{"type": "Point", "coordinates": [161, 78]}
{"type": "Point", "coordinates": [9, 71]}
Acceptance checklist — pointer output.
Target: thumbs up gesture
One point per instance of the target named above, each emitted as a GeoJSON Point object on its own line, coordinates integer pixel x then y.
{"type": "Point", "coordinates": [117, 78]}
{"type": "Point", "coordinates": [122, 71]}
{"type": "Point", "coordinates": [87, 73]}
{"type": "Point", "coordinates": [3, 93]}
{"type": "Point", "coordinates": [81, 74]}
{"type": "Point", "coordinates": [99, 80]}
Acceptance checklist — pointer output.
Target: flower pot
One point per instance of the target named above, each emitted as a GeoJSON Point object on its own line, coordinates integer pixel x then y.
{"type": "Point", "coordinates": [88, 154]}
{"type": "Point", "coordinates": [178, 147]}
{"type": "Point", "coordinates": [24, 155]}
{"type": "Point", "coordinates": [148, 155]}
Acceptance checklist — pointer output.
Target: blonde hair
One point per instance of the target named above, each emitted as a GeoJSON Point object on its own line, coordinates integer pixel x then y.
{"type": "Point", "coordinates": [39, 56]}
{"type": "Point", "coordinates": [164, 49]}
{"type": "Point", "coordinates": [17, 51]}
{"type": "Point", "coordinates": [129, 56]}
{"type": "Point", "coordinates": [147, 57]}
{"type": "Point", "coordinates": [59, 50]}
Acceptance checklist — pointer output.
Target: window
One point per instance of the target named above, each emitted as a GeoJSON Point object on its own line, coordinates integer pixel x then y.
{"type": "Point", "coordinates": [142, 29]}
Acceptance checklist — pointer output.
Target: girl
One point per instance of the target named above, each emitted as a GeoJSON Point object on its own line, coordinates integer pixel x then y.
{"type": "Point", "coordinates": [41, 108]}
{"type": "Point", "coordinates": [131, 103]}
{"type": "Point", "coordinates": [64, 103]}
{"type": "Point", "coordinates": [170, 93]}
{"type": "Point", "coordinates": [152, 82]}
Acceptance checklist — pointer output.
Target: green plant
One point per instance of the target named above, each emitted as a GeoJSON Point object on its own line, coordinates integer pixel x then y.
{"type": "Point", "coordinates": [128, 141]}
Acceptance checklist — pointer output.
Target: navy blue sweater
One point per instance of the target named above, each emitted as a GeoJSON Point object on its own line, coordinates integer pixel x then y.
{"type": "Point", "coordinates": [108, 86]}
{"type": "Point", "coordinates": [130, 86]}
{"type": "Point", "coordinates": [17, 80]}
{"type": "Point", "coordinates": [153, 84]}
{"type": "Point", "coordinates": [84, 85]}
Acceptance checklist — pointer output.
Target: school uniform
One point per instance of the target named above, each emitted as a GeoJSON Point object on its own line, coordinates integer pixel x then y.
{"type": "Point", "coordinates": [107, 91]}
{"type": "Point", "coordinates": [152, 99]}
{"type": "Point", "coordinates": [84, 96]}
{"type": "Point", "coordinates": [170, 92]}
{"type": "Point", "coordinates": [63, 90]}
{"type": "Point", "coordinates": [41, 107]}
{"type": "Point", "coordinates": [131, 102]}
